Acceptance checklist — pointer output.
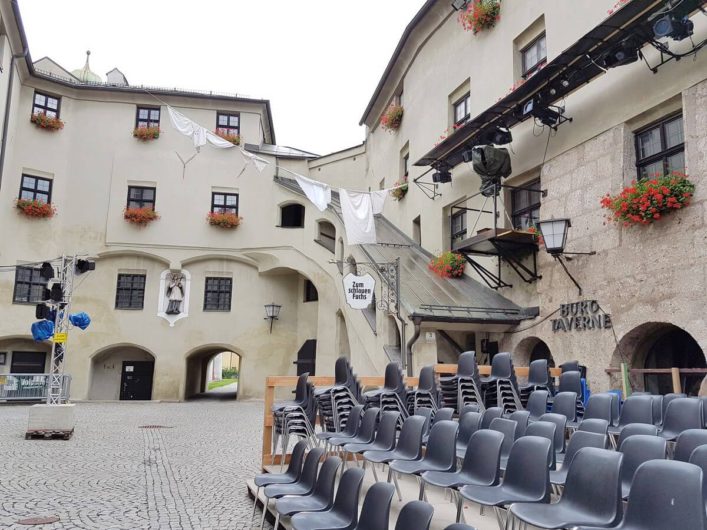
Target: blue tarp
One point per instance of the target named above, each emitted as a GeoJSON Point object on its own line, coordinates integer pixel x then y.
{"type": "Point", "coordinates": [80, 320]}
{"type": "Point", "coordinates": [42, 330]}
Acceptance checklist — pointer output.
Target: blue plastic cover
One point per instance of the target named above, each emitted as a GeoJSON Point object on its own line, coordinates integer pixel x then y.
{"type": "Point", "coordinates": [42, 330]}
{"type": "Point", "coordinates": [80, 320]}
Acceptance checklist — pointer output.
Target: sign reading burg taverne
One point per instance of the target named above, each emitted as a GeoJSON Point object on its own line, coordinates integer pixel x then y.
{"type": "Point", "coordinates": [581, 316]}
{"type": "Point", "coordinates": [359, 290]}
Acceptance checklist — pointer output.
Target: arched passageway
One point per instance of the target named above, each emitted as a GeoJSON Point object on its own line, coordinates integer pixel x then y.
{"type": "Point", "coordinates": [531, 349]}
{"type": "Point", "coordinates": [660, 345]}
{"type": "Point", "coordinates": [122, 372]}
{"type": "Point", "coordinates": [212, 372]}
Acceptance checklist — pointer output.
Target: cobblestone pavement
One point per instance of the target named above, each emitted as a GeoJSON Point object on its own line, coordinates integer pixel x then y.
{"type": "Point", "coordinates": [113, 474]}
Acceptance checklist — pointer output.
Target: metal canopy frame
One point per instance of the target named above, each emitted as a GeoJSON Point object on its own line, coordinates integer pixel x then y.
{"type": "Point", "coordinates": [568, 72]}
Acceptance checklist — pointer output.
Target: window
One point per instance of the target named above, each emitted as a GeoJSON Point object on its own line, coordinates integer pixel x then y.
{"type": "Point", "coordinates": [292, 216]}
{"type": "Point", "coordinates": [141, 197]}
{"type": "Point", "coordinates": [534, 56]}
{"type": "Point", "coordinates": [458, 226]}
{"type": "Point", "coordinates": [526, 205]}
{"type": "Point", "coordinates": [310, 292]}
{"type": "Point", "coordinates": [217, 294]}
{"type": "Point", "coordinates": [660, 148]}
{"type": "Point", "coordinates": [327, 235]}
{"type": "Point", "coordinates": [44, 104]}
{"type": "Point", "coordinates": [36, 189]}
{"type": "Point", "coordinates": [147, 117]}
{"type": "Point", "coordinates": [461, 110]}
{"type": "Point", "coordinates": [130, 293]}
{"type": "Point", "coordinates": [29, 286]}
{"type": "Point", "coordinates": [228, 123]}
{"type": "Point", "coordinates": [224, 202]}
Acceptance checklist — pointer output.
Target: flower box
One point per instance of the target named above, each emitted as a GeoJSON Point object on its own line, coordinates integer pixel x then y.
{"type": "Point", "coordinates": [537, 235]}
{"type": "Point", "coordinates": [235, 139]}
{"type": "Point", "coordinates": [392, 118]}
{"type": "Point", "coordinates": [42, 121]}
{"type": "Point", "coordinates": [448, 265]}
{"type": "Point", "coordinates": [35, 209]}
{"type": "Point", "coordinates": [399, 192]}
{"type": "Point", "coordinates": [140, 216]}
{"type": "Point", "coordinates": [480, 15]}
{"type": "Point", "coordinates": [647, 201]}
{"type": "Point", "coordinates": [223, 220]}
{"type": "Point", "coordinates": [146, 134]}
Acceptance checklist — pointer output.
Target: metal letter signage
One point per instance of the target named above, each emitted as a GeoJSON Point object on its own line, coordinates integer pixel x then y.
{"type": "Point", "coordinates": [581, 316]}
{"type": "Point", "coordinates": [359, 290]}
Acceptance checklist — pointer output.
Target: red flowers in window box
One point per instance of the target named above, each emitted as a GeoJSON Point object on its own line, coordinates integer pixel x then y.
{"type": "Point", "coordinates": [36, 209]}
{"type": "Point", "coordinates": [448, 265]}
{"type": "Point", "coordinates": [223, 220]}
{"type": "Point", "coordinates": [43, 121]}
{"type": "Point", "coordinates": [140, 216]}
{"type": "Point", "coordinates": [399, 192]}
{"type": "Point", "coordinates": [235, 139]}
{"type": "Point", "coordinates": [647, 201]}
{"type": "Point", "coordinates": [480, 15]}
{"type": "Point", "coordinates": [146, 133]}
{"type": "Point", "coordinates": [392, 118]}
{"type": "Point", "coordinates": [537, 235]}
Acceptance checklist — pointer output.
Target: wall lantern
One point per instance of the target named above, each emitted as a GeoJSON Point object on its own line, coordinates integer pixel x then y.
{"type": "Point", "coordinates": [554, 232]}
{"type": "Point", "coordinates": [272, 312]}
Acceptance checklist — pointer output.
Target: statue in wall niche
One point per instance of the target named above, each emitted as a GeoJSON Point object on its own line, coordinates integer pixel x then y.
{"type": "Point", "coordinates": [175, 293]}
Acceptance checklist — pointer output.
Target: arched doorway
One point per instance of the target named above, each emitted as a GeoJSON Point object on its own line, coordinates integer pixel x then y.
{"type": "Point", "coordinates": [541, 351]}
{"type": "Point", "coordinates": [122, 372]}
{"type": "Point", "coordinates": [213, 372]}
{"type": "Point", "coordinates": [531, 349]}
{"type": "Point", "coordinates": [660, 345]}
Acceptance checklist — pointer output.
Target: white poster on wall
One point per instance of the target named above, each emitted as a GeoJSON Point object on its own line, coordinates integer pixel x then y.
{"type": "Point", "coordinates": [359, 290]}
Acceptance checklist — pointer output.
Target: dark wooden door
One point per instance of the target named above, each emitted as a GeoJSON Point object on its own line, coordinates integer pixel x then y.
{"type": "Point", "coordinates": [136, 380]}
{"type": "Point", "coordinates": [28, 362]}
{"type": "Point", "coordinates": [306, 357]}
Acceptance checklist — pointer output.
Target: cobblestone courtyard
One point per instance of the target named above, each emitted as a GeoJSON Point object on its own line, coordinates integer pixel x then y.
{"type": "Point", "coordinates": [115, 475]}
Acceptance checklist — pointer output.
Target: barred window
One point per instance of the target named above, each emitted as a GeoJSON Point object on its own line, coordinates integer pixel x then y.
{"type": "Point", "coordinates": [29, 286]}
{"type": "Point", "coordinates": [217, 294]}
{"type": "Point", "coordinates": [130, 293]}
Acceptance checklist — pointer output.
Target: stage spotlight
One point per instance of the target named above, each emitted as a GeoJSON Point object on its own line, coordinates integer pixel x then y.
{"type": "Point", "coordinates": [46, 271]}
{"type": "Point", "coordinates": [625, 52]}
{"type": "Point", "coordinates": [442, 176]}
{"type": "Point", "coordinates": [83, 265]}
{"type": "Point", "coordinates": [497, 136]}
{"type": "Point", "coordinates": [549, 115]}
{"type": "Point", "coordinates": [674, 27]}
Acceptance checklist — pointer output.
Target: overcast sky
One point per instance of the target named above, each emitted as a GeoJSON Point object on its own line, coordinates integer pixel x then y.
{"type": "Point", "coordinates": [318, 61]}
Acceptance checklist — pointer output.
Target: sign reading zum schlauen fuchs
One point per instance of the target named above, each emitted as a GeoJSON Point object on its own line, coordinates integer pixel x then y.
{"type": "Point", "coordinates": [359, 290]}
{"type": "Point", "coordinates": [581, 316]}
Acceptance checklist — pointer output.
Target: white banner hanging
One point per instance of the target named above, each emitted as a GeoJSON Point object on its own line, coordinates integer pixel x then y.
{"type": "Point", "coordinates": [359, 290]}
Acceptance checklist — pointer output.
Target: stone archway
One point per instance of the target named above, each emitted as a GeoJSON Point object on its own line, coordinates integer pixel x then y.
{"type": "Point", "coordinates": [531, 349]}
{"type": "Point", "coordinates": [121, 372]}
{"type": "Point", "coordinates": [200, 366]}
{"type": "Point", "coordinates": [659, 345]}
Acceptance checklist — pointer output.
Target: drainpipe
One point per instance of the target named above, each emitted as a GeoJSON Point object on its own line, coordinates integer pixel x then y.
{"type": "Point", "coordinates": [416, 335]}
{"type": "Point", "coordinates": [6, 120]}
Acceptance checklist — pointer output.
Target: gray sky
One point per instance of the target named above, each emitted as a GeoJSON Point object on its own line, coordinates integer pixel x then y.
{"type": "Point", "coordinates": [318, 61]}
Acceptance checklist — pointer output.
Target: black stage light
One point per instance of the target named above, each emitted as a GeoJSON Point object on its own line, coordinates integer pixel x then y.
{"type": "Point", "coordinates": [625, 52]}
{"type": "Point", "coordinates": [673, 26]}
{"type": "Point", "coordinates": [83, 265]}
{"type": "Point", "coordinates": [46, 271]}
{"type": "Point", "coordinates": [43, 312]}
{"type": "Point", "coordinates": [548, 115]}
{"type": "Point", "coordinates": [56, 293]}
{"type": "Point", "coordinates": [443, 176]}
{"type": "Point", "coordinates": [497, 136]}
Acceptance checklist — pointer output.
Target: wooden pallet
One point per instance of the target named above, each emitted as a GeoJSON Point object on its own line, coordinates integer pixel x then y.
{"type": "Point", "coordinates": [46, 434]}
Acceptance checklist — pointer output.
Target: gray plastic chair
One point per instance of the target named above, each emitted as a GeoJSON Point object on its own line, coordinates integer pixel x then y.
{"type": "Point", "coordinates": [343, 515]}
{"type": "Point", "coordinates": [321, 498]}
{"type": "Point", "coordinates": [480, 465]}
{"type": "Point", "coordinates": [527, 478]}
{"type": "Point", "coordinates": [522, 418]}
{"type": "Point", "coordinates": [633, 429]}
{"type": "Point", "coordinates": [293, 473]}
{"type": "Point", "coordinates": [415, 515]}
{"type": "Point", "coordinates": [353, 423]}
{"type": "Point", "coordinates": [375, 512]}
{"type": "Point", "coordinates": [468, 425]}
{"type": "Point", "coordinates": [667, 398]}
{"type": "Point", "coordinates": [687, 442]}
{"type": "Point", "coordinates": [595, 425]}
{"type": "Point", "coordinates": [580, 440]}
{"type": "Point", "coordinates": [560, 422]}
{"type": "Point", "coordinates": [682, 414]}
{"type": "Point", "coordinates": [570, 381]}
{"type": "Point", "coordinates": [443, 414]}
{"type": "Point", "coordinates": [384, 439]}
{"type": "Point", "coordinates": [489, 415]}
{"type": "Point", "coordinates": [565, 403]}
{"type": "Point", "coordinates": [637, 450]}
{"type": "Point", "coordinates": [636, 409]}
{"type": "Point", "coordinates": [598, 407]}
{"type": "Point", "coordinates": [699, 458]}
{"type": "Point", "coordinates": [657, 409]}
{"type": "Point", "coordinates": [366, 431]}
{"type": "Point", "coordinates": [591, 496]}
{"type": "Point", "coordinates": [303, 486]}
{"type": "Point", "coordinates": [426, 413]}
{"type": "Point", "coordinates": [509, 430]}
{"type": "Point", "coordinates": [409, 445]}
{"type": "Point", "coordinates": [666, 495]}
{"type": "Point", "coordinates": [545, 429]}
{"type": "Point", "coordinates": [537, 404]}
{"type": "Point", "coordinates": [469, 407]}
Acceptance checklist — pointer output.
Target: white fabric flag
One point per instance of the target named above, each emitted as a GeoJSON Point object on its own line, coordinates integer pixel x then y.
{"type": "Point", "coordinates": [217, 141]}
{"type": "Point", "coordinates": [258, 162]}
{"type": "Point", "coordinates": [357, 211]}
{"type": "Point", "coordinates": [187, 127]}
{"type": "Point", "coordinates": [317, 192]}
{"type": "Point", "coordinates": [378, 200]}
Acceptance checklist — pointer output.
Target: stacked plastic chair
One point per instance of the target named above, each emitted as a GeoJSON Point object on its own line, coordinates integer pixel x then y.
{"type": "Point", "coordinates": [426, 394]}
{"type": "Point", "coordinates": [465, 387]}
{"type": "Point", "coordinates": [297, 417]}
{"type": "Point", "coordinates": [335, 402]}
{"type": "Point", "coordinates": [393, 395]}
{"type": "Point", "coordinates": [571, 381]}
{"type": "Point", "coordinates": [501, 387]}
{"type": "Point", "coordinates": [539, 378]}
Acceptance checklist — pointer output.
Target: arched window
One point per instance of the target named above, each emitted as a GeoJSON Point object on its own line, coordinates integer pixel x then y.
{"type": "Point", "coordinates": [326, 236]}
{"type": "Point", "coordinates": [292, 216]}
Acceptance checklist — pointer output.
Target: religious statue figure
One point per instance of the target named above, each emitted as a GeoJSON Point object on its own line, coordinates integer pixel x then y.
{"type": "Point", "coordinates": [175, 294]}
